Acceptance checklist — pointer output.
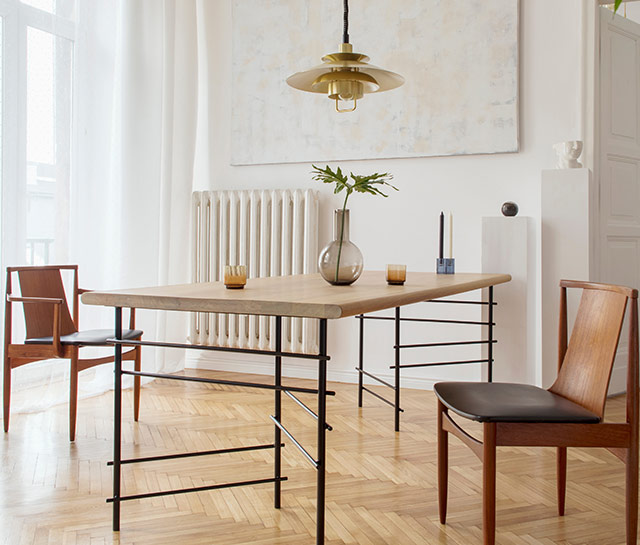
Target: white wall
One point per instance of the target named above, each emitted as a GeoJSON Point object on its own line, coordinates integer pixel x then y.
{"type": "Point", "coordinates": [631, 11]}
{"type": "Point", "coordinates": [567, 229]}
{"type": "Point", "coordinates": [471, 186]}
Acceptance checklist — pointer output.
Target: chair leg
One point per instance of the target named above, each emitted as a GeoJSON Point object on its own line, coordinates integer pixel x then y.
{"type": "Point", "coordinates": [443, 464]}
{"type": "Point", "coordinates": [561, 470]}
{"type": "Point", "coordinates": [73, 394]}
{"type": "Point", "coordinates": [7, 391]}
{"type": "Point", "coordinates": [136, 385]}
{"type": "Point", "coordinates": [489, 484]}
{"type": "Point", "coordinates": [632, 494]}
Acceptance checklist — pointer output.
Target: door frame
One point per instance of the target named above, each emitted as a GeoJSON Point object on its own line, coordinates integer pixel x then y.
{"type": "Point", "coordinates": [591, 98]}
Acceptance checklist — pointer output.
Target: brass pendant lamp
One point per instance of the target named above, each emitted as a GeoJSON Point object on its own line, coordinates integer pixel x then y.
{"type": "Point", "coordinates": [345, 76]}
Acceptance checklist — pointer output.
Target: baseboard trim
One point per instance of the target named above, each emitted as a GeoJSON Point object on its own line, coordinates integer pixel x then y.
{"type": "Point", "coordinates": [241, 364]}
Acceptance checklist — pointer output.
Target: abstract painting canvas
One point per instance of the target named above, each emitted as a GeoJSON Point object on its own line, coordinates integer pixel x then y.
{"type": "Point", "coordinates": [459, 59]}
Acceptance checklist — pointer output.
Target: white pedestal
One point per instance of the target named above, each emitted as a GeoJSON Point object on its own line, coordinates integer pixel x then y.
{"type": "Point", "coordinates": [567, 237]}
{"type": "Point", "coordinates": [507, 247]}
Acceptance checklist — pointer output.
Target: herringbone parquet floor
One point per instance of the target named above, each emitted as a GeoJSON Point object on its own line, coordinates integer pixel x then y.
{"type": "Point", "coordinates": [380, 485]}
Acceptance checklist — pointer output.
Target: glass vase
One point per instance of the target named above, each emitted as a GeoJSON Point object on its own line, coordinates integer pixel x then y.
{"type": "Point", "coordinates": [340, 261]}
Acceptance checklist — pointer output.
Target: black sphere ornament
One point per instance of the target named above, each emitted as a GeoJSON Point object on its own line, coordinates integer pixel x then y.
{"type": "Point", "coordinates": [510, 209]}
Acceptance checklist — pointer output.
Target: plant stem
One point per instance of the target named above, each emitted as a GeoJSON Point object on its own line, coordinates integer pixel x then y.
{"type": "Point", "coordinates": [344, 210]}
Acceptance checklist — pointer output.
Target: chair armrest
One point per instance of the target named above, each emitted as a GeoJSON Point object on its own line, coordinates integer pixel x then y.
{"type": "Point", "coordinates": [49, 300]}
{"type": "Point", "coordinates": [81, 291]}
{"type": "Point", "coordinates": [57, 308]}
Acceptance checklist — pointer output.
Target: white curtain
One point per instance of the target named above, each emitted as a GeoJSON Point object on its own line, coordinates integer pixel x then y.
{"type": "Point", "coordinates": [140, 115]}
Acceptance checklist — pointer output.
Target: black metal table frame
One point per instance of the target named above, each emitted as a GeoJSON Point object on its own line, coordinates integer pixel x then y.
{"type": "Point", "coordinates": [397, 319]}
{"type": "Point", "coordinates": [319, 462]}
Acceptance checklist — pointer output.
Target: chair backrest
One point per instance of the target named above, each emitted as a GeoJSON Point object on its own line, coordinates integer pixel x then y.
{"type": "Point", "coordinates": [47, 282]}
{"type": "Point", "coordinates": [585, 366]}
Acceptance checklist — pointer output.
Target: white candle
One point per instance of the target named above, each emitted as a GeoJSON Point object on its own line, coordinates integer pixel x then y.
{"type": "Point", "coordinates": [450, 234]}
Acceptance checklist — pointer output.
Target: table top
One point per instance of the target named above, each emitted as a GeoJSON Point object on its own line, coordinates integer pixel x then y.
{"type": "Point", "coordinates": [303, 295]}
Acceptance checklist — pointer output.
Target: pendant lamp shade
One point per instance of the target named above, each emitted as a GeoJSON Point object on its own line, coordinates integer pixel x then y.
{"type": "Point", "coordinates": [345, 75]}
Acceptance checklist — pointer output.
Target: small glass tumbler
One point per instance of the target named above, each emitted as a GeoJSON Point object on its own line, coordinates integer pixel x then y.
{"type": "Point", "coordinates": [396, 274]}
{"type": "Point", "coordinates": [235, 276]}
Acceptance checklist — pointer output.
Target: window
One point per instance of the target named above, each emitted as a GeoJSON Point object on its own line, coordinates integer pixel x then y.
{"type": "Point", "coordinates": [36, 129]}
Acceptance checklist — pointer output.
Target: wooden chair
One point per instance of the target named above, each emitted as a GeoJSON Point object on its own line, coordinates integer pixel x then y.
{"type": "Point", "coordinates": [569, 414]}
{"type": "Point", "coordinates": [51, 332]}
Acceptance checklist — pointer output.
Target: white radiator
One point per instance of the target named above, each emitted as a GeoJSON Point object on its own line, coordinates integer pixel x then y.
{"type": "Point", "coordinates": [273, 233]}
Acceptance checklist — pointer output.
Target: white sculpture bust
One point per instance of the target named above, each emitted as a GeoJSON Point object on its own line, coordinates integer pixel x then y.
{"type": "Point", "coordinates": [568, 153]}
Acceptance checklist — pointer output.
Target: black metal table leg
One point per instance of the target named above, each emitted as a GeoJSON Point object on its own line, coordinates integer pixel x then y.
{"type": "Point", "coordinates": [360, 361]}
{"type": "Point", "coordinates": [490, 338]}
{"type": "Point", "coordinates": [322, 357]}
{"type": "Point", "coordinates": [117, 420]}
{"type": "Point", "coordinates": [322, 419]}
{"type": "Point", "coordinates": [397, 371]}
{"type": "Point", "coordinates": [278, 414]}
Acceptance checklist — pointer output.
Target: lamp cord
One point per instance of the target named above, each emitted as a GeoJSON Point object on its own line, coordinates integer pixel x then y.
{"type": "Point", "coordinates": [345, 28]}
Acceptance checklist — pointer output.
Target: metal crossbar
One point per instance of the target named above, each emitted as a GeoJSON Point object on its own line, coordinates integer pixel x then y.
{"type": "Point", "coordinates": [461, 362]}
{"type": "Point", "coordinates": [300, 355]}
{"type": "Point", "coordinates": [454, 343]}
{"type": "Point", "coordinates": [307, 409]}
{"type": "Point", "coordinates": [428, 320]}
{"type": "Point", "coordinates": [284, 430]}
{"type": "Point", "coordinates": [370, 375]}
{"type": "Point", "coordinates": [385, 400]}
{"type": "Point", "coordinates": [116, 499]}
{"type": "Point", "coordinates": [192, 454]}
{"type": "Point", "coordinates": [226, 382]}
{"type": "Point", "coordinates": [455, 301]}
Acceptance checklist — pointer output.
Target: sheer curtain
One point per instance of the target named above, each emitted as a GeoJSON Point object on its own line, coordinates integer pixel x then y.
{"type": "Point", "coordinates": [140, 116]}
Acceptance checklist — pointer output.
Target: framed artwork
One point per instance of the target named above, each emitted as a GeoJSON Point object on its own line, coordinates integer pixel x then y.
{"type": "Point", "coordinates": [459, 59]}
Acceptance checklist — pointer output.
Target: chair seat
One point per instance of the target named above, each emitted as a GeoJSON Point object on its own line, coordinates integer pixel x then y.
{"type": "Point", "coordinates": [505, 402]}
{"type": "Point", "coordinates": [92, 337]}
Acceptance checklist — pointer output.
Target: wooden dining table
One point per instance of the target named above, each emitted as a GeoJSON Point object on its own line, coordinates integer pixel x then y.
{"type": "Point", "coordinates": [302, 296]}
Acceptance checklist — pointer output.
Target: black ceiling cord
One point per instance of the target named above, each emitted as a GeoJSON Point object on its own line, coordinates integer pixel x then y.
{"type": "Point", "coordinates": [345, 31]}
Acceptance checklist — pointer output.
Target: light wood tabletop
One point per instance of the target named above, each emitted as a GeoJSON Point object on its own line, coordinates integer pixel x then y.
{"type": "Point", "coordinates": [304, 295]}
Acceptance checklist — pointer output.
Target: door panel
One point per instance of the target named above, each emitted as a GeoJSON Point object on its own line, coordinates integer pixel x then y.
{"type": "Point", "coordinates": [623, 198]}
{"type": "Point", "coordinates": [619, 156]}
{"type": "Point", "coordinates": [624, 61]}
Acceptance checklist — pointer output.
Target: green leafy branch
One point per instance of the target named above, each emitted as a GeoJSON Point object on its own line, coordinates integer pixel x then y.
{"type": "Point", "coordinates": [370, 184]}
{"type": "Point", "coordinates": [617, 5]}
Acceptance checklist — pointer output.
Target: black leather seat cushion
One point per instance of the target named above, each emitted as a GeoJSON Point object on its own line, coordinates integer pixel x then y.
{"type": "Point", "coordinates": [505, 402]}
{"type": "Point", "coordinates": [91, 337]}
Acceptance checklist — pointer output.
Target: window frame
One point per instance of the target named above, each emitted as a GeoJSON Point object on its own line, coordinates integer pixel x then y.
{"type": "Point", "coordinates": [16, 19]}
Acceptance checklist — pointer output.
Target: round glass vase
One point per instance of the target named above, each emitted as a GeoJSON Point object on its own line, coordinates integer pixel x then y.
{"type": "Point", "coordinates": [340, 262]}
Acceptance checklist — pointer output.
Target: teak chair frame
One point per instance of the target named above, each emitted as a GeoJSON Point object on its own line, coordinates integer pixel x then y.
{"type": "Point", "coordinates": [18, 354]}
{"type": "Point", "coordinates": [619, 438]}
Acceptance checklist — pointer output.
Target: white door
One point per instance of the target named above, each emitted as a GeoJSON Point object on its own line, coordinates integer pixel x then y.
{"type": "Point", "coordinates": [619, 162]}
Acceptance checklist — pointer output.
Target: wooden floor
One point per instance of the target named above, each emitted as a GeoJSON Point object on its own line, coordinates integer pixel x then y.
{"type": "Point", "coordinates": [380, 485]}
